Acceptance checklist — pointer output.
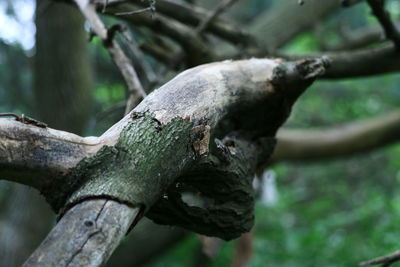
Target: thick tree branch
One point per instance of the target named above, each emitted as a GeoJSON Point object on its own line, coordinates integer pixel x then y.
{"type": "Point", "coordinates": [358, 63]}
{"type": "Point", "coordinates": [306, 145]}
{"type": "Point", "coordinates": [201, 118]}
{"type": "Point", "coordinates": [86, 235]}
{"type": "Point", "coordinates": [35, 155]}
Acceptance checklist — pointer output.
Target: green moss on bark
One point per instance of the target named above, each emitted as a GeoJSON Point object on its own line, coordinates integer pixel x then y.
{"type": "Point", "coordinates": [141, 166]}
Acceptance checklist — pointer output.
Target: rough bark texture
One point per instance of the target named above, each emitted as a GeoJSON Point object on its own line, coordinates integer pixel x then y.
{"type": "Point", "coordinates": [85, 236]}
{"type": "Point", "coordinates": [202, 122]}
{"type": "Point", "coordinates": [204, 118]}
{"type": "Point", "coordinates": [209, 97]}
{"type": "Point", "coordinates": [37, 154]}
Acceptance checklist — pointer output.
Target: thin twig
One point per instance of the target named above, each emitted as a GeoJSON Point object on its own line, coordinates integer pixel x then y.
{"type": "Point", "coordinates": [134, 11]}
{"type": "Point", "coordinates": [142, 65]}
{"type": "Point", "coordinates": [104, 6]}
{"type": "Point", "coordinates": [386, 260]}
{"type": "Point", "coordinates": [225, 4]}
{"type": "Point", "coordinates": [25, 119]}
{"type": "Point", "coordinates": [151, 7]}
{"type": "Point", "coordinates": [383, 17]}
{"type": "Point", "coordinates": [135, 89]}
{"type": "Point", "coordinates": [10, 115]}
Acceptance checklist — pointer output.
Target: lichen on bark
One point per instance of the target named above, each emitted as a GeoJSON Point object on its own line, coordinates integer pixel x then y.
{"type": "Point", "coordinates": [139, 168]}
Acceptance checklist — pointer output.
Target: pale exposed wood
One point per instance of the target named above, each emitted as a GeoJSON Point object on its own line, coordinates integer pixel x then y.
{"type": "Point", "coordinates": [86, 235]}
{"type": "Point", "coordinates": [34, 155]}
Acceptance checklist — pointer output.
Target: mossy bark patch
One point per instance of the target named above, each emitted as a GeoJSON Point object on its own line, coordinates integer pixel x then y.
{"type": "Point", "coordinates": [140, 167]}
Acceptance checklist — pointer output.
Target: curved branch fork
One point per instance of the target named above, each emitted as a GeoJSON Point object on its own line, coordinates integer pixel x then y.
{"type": "Point", "coordinates": [206, 130]}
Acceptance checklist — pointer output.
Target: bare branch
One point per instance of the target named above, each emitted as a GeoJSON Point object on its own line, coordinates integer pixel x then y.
{"type": "Point", "coordinates": [385, 261]}
{"type": "Point", "coordinates": [34, 155]}
{"type": "Point", "coordinates": [358, 63]}
{"type": "Point", "coordinates": [357, 137]}
{"type": "Point", "coordinates": [135, 90]}
{"type": "Point", "coordinates": [357, 39]}
{"type": "Point", "coordinates": [197, 49]}
{"type": "Point", "coordinates": [166, 137]}
{"type": "Point", "coordinates": [188, 14]}
{"type": "Point", "coordinates": [223, 5]}
{"type": "Point", "coordinates": [140, 62]}
{"type": "Point", "coordinates": [383, 17]}
{"type": "Point", "coordinates": [86, 236]}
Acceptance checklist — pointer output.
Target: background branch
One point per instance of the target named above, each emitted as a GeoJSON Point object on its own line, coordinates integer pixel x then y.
{"type": "Point", "coordinates": [223, 5]}
{"type": "Point", "coordinates": [135, 90]}
{"type": "Point", "coordinates": [357, 63]}
{"type": "Point", "coordinates": [303, 145]}
{"type": "Point", "coordinates": [383, 17]}
{"type": "Point", "coordinates": [385, 261]}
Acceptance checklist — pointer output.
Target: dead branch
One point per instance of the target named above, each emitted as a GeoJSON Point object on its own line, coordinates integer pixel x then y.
{"type": "Point", "coordinates": [357, 63]}
{"type": "Point", "coordinates": [223, 5]}
{"type": "Point", "coordinates": [385, 261]}
{"type": "Point", "coordinates": [86, 235]}
{"type": "Point", "coordinates": [384, 19]}
{"type": "Point", "coordinates": [188, 14]}
{"type": "Point", "coordinates": [201, 118]}
{"type": "Point", "coordinates": [338, 141]}
{"type": "Point", "coordinates": [135, 90]}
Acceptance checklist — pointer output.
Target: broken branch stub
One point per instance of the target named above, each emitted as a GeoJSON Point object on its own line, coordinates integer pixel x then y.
{"type": "Point", "coordinates": [204, 133]}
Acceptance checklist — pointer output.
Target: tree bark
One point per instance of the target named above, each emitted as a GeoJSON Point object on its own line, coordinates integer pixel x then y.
{"type": "Point", "coordinates": [85, 236]}
{"type": "Point", "coordinates": [202, 118]}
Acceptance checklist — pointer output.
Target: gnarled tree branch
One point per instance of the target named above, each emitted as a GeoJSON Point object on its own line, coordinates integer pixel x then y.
{"type": "Point", "coordinates": [197, 123]}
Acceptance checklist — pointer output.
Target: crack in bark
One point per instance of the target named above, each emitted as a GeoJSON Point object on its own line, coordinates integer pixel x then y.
{"type": "Point", "coordinates": [83, 245]}
{"type": "Point", "coordinates": [97, 231]}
